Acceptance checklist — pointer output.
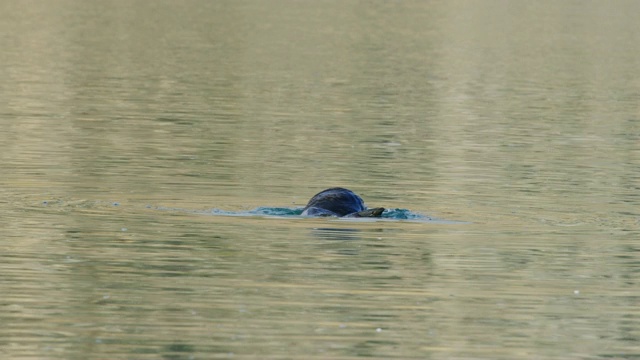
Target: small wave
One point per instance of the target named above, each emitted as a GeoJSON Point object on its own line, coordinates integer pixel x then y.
{"type": "Point", "coordinates": [405, 214]}
{"type": "Point", "coordinates": [261, 211]}
{"type": "Point", "coordinates": [396, 214]}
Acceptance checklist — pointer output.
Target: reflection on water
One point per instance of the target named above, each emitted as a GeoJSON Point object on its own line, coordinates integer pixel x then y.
{"type": "Point", "coordinates": [156, 156]}
{"type": "Point", "coordinates": [336, 234]}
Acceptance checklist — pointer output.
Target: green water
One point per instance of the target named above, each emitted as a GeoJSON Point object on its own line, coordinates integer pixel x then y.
{"type": "Point", "coordinates": [132, 130]}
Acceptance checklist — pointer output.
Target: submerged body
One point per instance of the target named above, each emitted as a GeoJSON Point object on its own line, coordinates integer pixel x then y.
{"type": "Point", "coordinates": [339, 202]}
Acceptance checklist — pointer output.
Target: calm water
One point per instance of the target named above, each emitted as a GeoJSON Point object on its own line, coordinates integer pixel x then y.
{"type": "Point", "coordinates": [125, 124]}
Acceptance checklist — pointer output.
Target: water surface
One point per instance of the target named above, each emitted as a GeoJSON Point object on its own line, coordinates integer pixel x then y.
{"type": "Point", "coordinates": [125, 125]}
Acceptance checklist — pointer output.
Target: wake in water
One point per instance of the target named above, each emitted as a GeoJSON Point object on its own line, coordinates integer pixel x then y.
{"type": "Point", "coordinates": [396, 214]}
{"type": "Point", "coordinates": [262, 211]}
{"type": "Point", "coordinates": [332, 203]}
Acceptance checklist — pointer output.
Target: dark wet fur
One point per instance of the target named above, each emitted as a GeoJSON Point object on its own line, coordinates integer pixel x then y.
{"type": "Point", "coordinates": [339, 202]}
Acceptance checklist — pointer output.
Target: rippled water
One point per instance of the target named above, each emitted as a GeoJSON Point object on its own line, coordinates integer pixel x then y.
{"type": "Point", "coordinates": [156, 157]}
{"type": "Point", "coordinates": [388, 214]}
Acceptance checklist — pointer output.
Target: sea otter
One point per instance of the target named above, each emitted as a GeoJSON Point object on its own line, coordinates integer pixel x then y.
{"type": "Point", "coordinates": [339, 202]}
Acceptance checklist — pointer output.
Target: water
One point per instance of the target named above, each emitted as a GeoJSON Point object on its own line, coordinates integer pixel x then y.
{"type": "Point", "coordinates": [155, 155]}
{"type": "Point", "coordinates": [388, 214]}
